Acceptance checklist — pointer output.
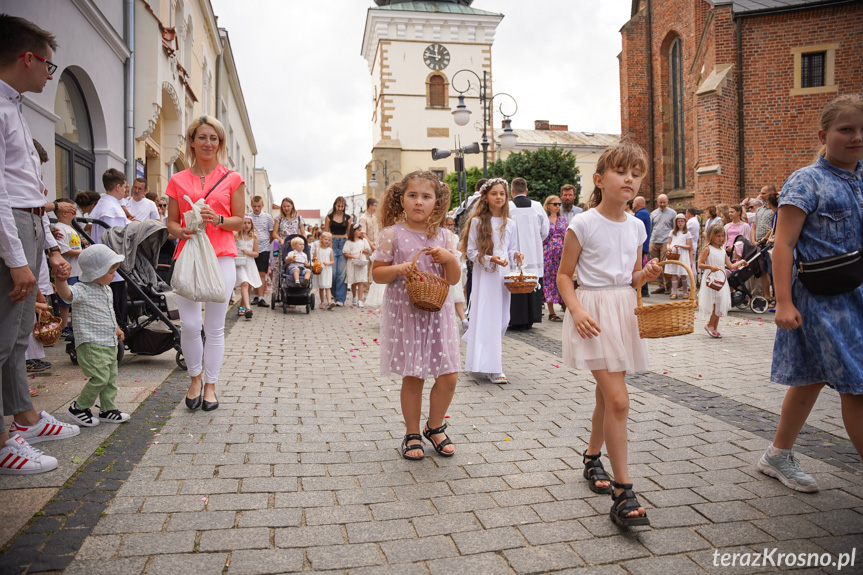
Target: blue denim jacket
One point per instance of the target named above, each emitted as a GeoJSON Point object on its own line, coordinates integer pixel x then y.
{"type": "Point", "coordinates": [833, 201]}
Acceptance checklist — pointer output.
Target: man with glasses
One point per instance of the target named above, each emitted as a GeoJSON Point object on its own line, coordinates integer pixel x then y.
{"type": "Point", "coordinates": [139, 207]}
{"type": "Point", "coordinates": [25, 66]}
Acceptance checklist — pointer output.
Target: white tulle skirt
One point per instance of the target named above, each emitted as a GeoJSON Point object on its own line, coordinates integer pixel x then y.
{"type": "Point", "coordinates": [618, 347]}
{"type": "Point", "coordinates": [375, 297]}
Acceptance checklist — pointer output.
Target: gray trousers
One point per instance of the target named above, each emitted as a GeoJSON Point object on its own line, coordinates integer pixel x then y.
{"type": "Point", "coordinates": [18, 318]}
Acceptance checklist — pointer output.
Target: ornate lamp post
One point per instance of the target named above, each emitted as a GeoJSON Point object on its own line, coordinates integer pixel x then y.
{"type": "Point", "coordinates": [373, 182]}
{"type": "Point", "coordinates": [461, 115]}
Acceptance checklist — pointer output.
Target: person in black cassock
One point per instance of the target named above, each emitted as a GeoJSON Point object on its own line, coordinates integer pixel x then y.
{"type": "Point", "coordinates": [531, 224]}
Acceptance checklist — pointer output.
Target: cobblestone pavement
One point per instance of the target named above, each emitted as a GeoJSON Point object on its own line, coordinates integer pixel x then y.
{"type": "Point", "coordinates": [299, 469]}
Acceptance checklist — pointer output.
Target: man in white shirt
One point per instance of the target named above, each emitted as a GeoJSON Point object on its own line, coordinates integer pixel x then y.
{"type": "Point", "coordinates": [531, 224]}
{"type": "Point", "coordinates": [25, 66]}
{"type": "Point", "coordinates": [111, 212]}
{"type": "Point", "coordinates": [263, 229]}
{"type": "Point", "coordinates": [139, 207]}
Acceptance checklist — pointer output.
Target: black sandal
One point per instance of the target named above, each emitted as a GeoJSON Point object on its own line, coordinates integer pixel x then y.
{"type": "Point", "coordinates": [406, 447]}
{"type": "Point", "coordinates": [554, 317]}
{"type": "Point", "coordinates": [593, 472]}
{"type": "Point", "coordinates": [438, 446]}
{"type": "Point", "coordinates": [626, 503]}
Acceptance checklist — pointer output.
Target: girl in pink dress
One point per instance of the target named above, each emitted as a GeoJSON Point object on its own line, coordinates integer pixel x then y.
{"type": "Point", "coordinates": [417, 344]}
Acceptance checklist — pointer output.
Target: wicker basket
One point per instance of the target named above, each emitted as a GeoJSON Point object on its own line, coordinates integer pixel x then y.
{"type": "Point", "coordinates": [715, 280]}
{"type": "Point", "coordinates": [47, 328]}
{"type": "Point", "coordinates": [520, 283]}
{"type": "Point", "coordinates": [427, 291]}
{"type": "Point", "coordinates": [317, 267]}
{"type": "Point", "coordinates": [667, 319]}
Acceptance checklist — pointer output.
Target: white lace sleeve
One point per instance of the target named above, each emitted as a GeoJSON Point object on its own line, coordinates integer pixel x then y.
{"type": "Point", "coordinates": [386, 247]}
{"type": "Point", "coordinates": [452, 245]}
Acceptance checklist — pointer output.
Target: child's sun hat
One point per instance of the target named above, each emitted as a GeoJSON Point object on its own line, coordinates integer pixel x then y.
{"type": "Point", "coordinates": [96, 261]}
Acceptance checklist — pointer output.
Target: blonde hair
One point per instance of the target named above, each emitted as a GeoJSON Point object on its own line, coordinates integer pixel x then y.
{"type": "Point", "coordinates": [624, 154]}
{"type": "Point", "coordinates": [241, 233]}
{"type": "Point", "coordinates": [392, 212]}
{"type": "Point", "coordinates": [327, 236]}
{"type": "Point", "coordinates": [297, 243]}
{"type": "Point", "coordinates": [832, 110]}
{"type": "Point", "coordinates": [222, 154]}
{"type": "Point", "coordinates": [482, 213]}
{"type": "Point", "coordinates": [548, 200]}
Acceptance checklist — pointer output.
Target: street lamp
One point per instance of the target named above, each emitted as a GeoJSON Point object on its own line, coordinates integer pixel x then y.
{"type": "Point", "coordinates": [373, 182]}
{"type": "Point", "coordinates": [461, 115]}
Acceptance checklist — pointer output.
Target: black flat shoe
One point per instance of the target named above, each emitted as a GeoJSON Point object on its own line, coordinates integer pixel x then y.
{"type": "Point", "coordinates": [210, 405]}
{"type": "Point", "coordinates": [194, 403]}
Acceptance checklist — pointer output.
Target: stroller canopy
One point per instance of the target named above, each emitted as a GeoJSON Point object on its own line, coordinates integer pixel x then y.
{"type": "Point", "coordinates": [139, 243]}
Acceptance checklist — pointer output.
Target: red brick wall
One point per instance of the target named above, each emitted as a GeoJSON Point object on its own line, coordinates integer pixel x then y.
{"type": "Point", "coordinates": [782, 130]}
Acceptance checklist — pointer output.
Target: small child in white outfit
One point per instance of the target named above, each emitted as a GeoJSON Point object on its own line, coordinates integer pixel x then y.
{"type": "Point", "coordinates": [298, 262]}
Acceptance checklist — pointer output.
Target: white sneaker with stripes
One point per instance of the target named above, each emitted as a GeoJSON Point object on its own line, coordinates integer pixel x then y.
{"type": "Point", "coordinates": [20, 458]}
{"type": "Point", "coordinates": [113, 416]}
{"type": "Point", "coordinates": [48, 429]}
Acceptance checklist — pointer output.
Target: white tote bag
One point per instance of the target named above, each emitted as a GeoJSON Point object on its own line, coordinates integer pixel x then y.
{"type": "Point", "coordinates": [197, 275]}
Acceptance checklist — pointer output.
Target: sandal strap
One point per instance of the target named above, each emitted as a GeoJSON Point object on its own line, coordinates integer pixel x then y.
{"type": "Point", "coordinates": [435, 431]}
{"type": "Point", "coordinates": [591, 457]}
{"type": "Point", "coordinates": [617, 485]}
{"type": "Point", "coordinates": [413, 437]}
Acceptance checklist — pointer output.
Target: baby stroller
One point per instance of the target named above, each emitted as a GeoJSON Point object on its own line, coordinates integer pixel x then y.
{"type": "Point", "coordinates": [286, 291]}
{"type": "Point", "coordinates": [148, 325]}
{"type": "Point", "coordinates": [756, 265]}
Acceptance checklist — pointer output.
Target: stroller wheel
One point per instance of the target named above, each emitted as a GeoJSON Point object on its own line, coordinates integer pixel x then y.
{"type": "Point", "coordinates": [73, 355]}
{"type": "Point", "coordinates": [284, 306]}
{"type": "Point", "coordinates": [758, 304]}
{"type": "Point", "coordinates": [181, 361]}
{"type": "Point", "coordinates": [121, 351]}
{"type": "Point", "coordinates": [273, 300]}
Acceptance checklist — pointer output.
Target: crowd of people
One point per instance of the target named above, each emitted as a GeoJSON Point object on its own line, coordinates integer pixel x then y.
{"type": "Point", "coordinates": [588, 260]}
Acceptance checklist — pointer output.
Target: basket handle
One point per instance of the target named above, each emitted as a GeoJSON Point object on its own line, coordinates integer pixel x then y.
{"type": "Point", "coordinates": [673, 263]}
{"type": "Point", "coordinates": [414, 262]}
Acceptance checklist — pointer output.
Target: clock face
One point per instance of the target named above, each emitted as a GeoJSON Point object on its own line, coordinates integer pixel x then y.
{"type": "Point", "coordinates": [436, 56]}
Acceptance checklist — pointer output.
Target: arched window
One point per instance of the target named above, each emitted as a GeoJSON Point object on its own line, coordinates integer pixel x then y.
{"type": "Point", "coordinates": [436, 92]}
{"type": "Point", "coordinates": [73, 140]}
{"type": "Point", "coordinates": [678, 136]}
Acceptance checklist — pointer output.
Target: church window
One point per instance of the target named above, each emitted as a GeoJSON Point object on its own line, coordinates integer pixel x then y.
{"type": "Point", "coordinates": [812, 70]}
{"type": "Point", "coordinates": [436, 92]}
{"type": "Point", "coordinates": [677, 107]}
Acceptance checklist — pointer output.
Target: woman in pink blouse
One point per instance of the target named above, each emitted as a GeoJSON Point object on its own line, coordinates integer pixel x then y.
{"type": "Point", "coordinates": [737, 227]}
{"type": "Point", "coordinates": [224, 191]}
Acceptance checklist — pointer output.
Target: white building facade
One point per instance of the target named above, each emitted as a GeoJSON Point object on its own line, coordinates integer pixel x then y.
{"type": "Point", "coordinates": [413, 49]}
{"type": "Point", "coordinates": [78, 117]}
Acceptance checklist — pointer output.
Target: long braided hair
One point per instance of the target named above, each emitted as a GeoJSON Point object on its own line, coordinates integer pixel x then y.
{"type": "Point", "coordinates": [482, 213]}
{"type": "Point", "coordinates": [392, 212]}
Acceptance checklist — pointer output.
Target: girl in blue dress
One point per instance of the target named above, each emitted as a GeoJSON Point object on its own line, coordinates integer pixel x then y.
{"type": "Point", "coordinates": [820, 337]}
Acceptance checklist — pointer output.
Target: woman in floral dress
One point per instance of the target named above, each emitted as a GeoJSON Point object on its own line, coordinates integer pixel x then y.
{"type": "Point", "coordinates": [552, 247]}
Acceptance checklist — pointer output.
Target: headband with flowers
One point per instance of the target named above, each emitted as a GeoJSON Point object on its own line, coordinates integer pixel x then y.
{"type": "Point", "coordinates": [491, 183]}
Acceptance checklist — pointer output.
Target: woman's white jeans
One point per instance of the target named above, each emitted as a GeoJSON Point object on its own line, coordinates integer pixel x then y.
{"type": "Point", "coordinates": [200, 357]}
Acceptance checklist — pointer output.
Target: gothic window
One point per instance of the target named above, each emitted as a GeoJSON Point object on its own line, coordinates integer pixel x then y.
{"type": "Point", "coordinates": [678, 136]}
{"type": "Point", "coordinates": [812, 69]}
{"type": "Point", "coordinates": [73, 140]}
{"type": "Point", "coordinates": [436, 91]}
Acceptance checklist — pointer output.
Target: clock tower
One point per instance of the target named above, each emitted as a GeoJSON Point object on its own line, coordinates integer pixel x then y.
{"type": "Point", "coordinates": [413, 49]}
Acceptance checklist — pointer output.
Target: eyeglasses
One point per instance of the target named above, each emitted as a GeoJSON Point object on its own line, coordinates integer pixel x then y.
{"type": "Point", "coordinates": [555, 204]}
{"type": "Point", "coordinates": [52, 67]}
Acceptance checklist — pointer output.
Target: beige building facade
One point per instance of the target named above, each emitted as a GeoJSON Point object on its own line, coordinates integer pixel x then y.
{"type": "Point", "coordinates": [413, 50]}
{"type": "Point", "coordinates": [184, 68]}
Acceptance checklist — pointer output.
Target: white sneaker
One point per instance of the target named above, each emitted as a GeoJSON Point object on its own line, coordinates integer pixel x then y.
{"type": "Point", "coordinates": [48, 428]}
{"type": "Point", "coordinates": [354, 302]}
{"type": "Point", "coordinates": [339, 304]}
{"type": "Point", "coordinates": [113, 416]}
{"type": "Point", "coordinates": [20, 458]}
{"type": "Point", "coordinates": [360, 304]}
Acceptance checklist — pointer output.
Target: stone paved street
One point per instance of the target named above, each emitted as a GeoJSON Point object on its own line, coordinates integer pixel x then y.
{"type": "Point", "coordinates": [298, 470]}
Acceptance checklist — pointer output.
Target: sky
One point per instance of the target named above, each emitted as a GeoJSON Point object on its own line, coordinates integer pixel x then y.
{"type": "Point", "coordinates": [309, 92]}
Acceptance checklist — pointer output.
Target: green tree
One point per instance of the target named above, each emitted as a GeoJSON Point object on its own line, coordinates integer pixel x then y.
{"type": "Point", "coordinates": [473, 176]}
{"type": "Point", "coordinates": [545, 170]}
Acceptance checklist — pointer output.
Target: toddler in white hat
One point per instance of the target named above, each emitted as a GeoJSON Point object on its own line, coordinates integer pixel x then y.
{"type": "Point", "coordinates": [96, 334]}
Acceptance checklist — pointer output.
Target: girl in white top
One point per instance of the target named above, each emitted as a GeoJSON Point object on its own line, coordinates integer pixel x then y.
{"type": "Point", "coordinates": [600, 330]}
{"type": "Point", "coordinates": [714, 260]}
{"type": "Point", "coordinates": [357, 251]}
{"type": "Point", "coordinates": [490, 242]}
{"type": "Point", "coordinates": [456, 291]}
{"type": "Point", "coordinates": [680, 241]}
{"type": "Point", "coordinates": [324, 280]}
{"type": "Point", "coordinates": [247, 271]}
